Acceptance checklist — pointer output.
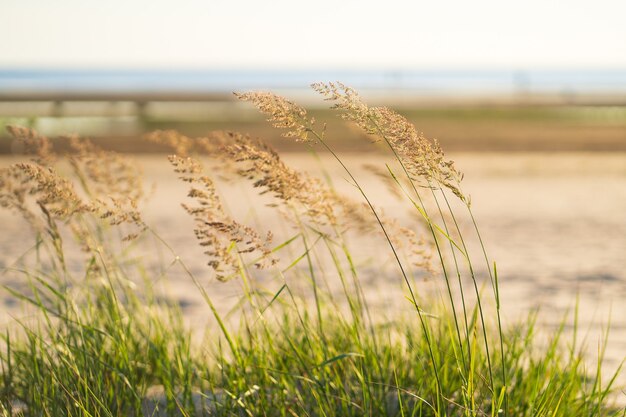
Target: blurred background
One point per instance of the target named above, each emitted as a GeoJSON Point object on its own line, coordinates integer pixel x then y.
{"type": "Point", "coordinates": [528, 97]}
{"type": "Point", "coordinates": [483, 76]}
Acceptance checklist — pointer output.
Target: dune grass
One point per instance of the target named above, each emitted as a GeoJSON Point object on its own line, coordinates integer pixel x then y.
{"type": "Point", "coordinates": [98, 340]}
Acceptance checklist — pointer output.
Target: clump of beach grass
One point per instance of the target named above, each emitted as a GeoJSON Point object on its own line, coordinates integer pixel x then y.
{"type": "Point", "coordinates": [98, 340]}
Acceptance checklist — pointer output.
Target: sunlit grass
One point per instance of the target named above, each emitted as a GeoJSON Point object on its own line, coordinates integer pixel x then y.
{"type": "Point", "coordinates": [99, 341]}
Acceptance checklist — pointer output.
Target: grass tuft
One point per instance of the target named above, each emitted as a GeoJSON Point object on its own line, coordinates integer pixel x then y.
{"type": "Point", "coordinates": [98, 338]}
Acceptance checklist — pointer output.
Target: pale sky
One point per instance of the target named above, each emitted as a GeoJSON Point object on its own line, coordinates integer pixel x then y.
{"type": "Point", "coordinates": [291, 34]}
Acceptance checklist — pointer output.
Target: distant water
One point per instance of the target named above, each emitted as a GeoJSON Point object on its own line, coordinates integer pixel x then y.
{"type": "Point", "coordinates": [430, 82]}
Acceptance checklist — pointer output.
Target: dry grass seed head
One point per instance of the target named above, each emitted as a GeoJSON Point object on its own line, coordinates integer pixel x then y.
{"type": "Point", "coordinates": [185, 146]}
{"type": "Point", "coordinates": [106, 173]}
{"type": "Point", "coordinates": [322, 205]}
{"type": "Point", "coordinates": [213, 144]}
{"type": "Point", "coordinates": [113, 182]}
{"type": "Point", "coordinates": [34, 144]}
{"type": "Point", "coordinates": [222, 236]}
{"type": "Point", "coordinates": [271, 175]}
{"type": "Point", "coordinates": [422, 158]}
{"type": "Point", "coordinates": [283, 114]}
{"type": "Point", "coordinates": [418, 252]}
{"type": "Point", "coordinates": [23, 184]}
{"type": "Point", "coordinates": [384, 175]}
{"type": "Point", "coordinates": [179, 143]}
